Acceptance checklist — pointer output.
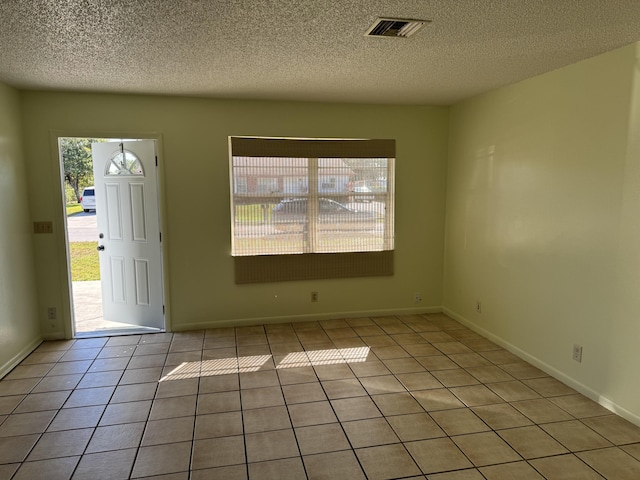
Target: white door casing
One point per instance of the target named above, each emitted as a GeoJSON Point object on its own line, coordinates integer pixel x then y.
{"type": "Point", "coordinates": [125, 180]}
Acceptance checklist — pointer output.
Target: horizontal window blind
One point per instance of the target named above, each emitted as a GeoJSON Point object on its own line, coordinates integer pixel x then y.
{"type": "Point", "coordinates": [310, 197]}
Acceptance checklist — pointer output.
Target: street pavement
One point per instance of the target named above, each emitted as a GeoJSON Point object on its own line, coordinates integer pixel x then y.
{"type": "Point", "coordinates": [82, 227]}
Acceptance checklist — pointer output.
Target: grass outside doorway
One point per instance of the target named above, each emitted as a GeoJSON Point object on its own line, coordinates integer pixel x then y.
{"type": "Point", "coordinates": [73, 208]}
{"type": "Point", "coordinates": [85, 262]}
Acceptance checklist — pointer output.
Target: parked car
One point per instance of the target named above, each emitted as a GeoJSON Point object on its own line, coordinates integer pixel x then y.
{"type": "Point", "coordinates": [361, 188]}
{"type": "Point", "coordinates": [290, 215]}
{"type": "Point", "coordinates": [362, 198]}
{"type": "Point", "coordinates": [88, 199]}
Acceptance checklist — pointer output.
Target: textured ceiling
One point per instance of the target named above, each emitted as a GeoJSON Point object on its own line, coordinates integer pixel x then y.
{"type": "Point", "coordinates": [311, 50]}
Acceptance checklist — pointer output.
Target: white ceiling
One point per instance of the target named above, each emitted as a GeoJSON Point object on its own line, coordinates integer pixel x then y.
{"type": "Point", "coordinates": [308, 50]}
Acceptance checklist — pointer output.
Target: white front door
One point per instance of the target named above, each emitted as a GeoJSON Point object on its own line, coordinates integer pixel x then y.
{"type": "Point", "coordinates": [129, 232]}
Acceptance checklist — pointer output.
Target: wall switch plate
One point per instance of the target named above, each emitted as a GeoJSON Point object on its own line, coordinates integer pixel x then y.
{"type": "Point", "coordinates": [478, 306]}
{"type": "Point", "coordinates": [417, 297]}
{"type": "Point", "coordinates": [314, 296]}
{"type": "Point", "coordinates": [577, 353]}
{"type": "Point", "coordinates": [51, 313]}
{"type": "Point", "coordinates": [42, 227]}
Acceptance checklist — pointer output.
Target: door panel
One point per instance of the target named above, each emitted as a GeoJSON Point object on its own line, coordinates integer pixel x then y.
{"type": "Point", "coordinates": [138, 212]}
{"type": "Point", "coordinates": [142, 281]}
{"type": "Point", "coordinates": [129, 230]}
{"type": "Point", "coordinates": [113, 211]}
{"type": "Point", "coordinates": [118, 281]}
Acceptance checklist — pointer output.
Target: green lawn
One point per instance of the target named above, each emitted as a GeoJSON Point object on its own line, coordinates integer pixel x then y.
{"type": "Point", "coordinates": [85, 262]}
{"type": "Point", "coordinates": [73, 208]}
{"type": "Point", "coordinates": [254, 213]}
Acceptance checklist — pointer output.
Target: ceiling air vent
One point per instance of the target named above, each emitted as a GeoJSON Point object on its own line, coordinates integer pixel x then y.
{"type": "Point", "coordinates": [395, 27]}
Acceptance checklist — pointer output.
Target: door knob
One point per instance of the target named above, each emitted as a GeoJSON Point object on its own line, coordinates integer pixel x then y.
{"type": "Point", "coordinates": [100, 248]}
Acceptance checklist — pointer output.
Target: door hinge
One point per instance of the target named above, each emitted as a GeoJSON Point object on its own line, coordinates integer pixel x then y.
{"type": "Point", "coordinates": [163, 309]}
{"type": "Point", "coordinates": [160, 233]}
{"type": "Point", "coordinates": [156, 160]}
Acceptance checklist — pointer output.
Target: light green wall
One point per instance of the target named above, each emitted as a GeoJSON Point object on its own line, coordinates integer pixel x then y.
{"type": "Point", "coordinates": [542, 207]}
{"type": "Point", "coordinates": [542, 223]}
{"type": "Point", "coordinates": [19, 326]}
{"type": "Point", "coordinates": [195, 189]}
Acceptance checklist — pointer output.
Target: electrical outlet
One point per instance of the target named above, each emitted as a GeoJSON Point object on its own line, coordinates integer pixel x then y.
{"type": "Point", "coordinates": [51, 313]}
{"type": "Point", "coordinates": [314, 296]}
{"type": "Point", "coordinates": [417, 297]}
{"type": "Point", "coordinates": [478, 306]}
{"type": "Point", "coordinates": [577, 353]}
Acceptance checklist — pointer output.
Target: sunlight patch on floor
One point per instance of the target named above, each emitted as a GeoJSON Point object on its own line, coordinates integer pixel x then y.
{"type": "Point", "coordinates": [254, 363]}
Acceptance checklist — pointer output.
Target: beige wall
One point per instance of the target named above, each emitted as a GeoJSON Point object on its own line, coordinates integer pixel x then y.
{"type": "Point", "coordinates": [195, 181]}
{"type": "Point", "coordinates": [543, 215]}
{"type": "Point", "coordinates": [19, 326]}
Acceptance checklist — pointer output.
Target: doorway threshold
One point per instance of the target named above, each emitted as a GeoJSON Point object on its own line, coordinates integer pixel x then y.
{"type": "Point", "coordinates": [112, 332]}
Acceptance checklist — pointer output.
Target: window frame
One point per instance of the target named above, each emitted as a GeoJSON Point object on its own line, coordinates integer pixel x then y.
{"type": "Point", "coordinates": [312, 263]}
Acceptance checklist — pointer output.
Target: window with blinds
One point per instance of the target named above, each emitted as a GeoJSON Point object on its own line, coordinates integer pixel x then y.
{"type": "Point", "coordinates": [311, 196]}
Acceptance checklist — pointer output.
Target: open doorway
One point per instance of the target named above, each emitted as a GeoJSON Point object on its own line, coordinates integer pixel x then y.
{"type": "Point", "coordinates": [113, 235]}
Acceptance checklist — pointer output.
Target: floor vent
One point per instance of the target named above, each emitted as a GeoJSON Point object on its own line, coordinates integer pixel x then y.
{"type": "Point", "coordinates": [395, 27]}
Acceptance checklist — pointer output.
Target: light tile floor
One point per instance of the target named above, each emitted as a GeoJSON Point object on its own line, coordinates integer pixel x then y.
{"type": "Point", "coordinates": [412, 397]}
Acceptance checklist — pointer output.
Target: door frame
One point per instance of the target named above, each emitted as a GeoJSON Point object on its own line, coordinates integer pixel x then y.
{"type": "Point", "coordinates": [63, 240]}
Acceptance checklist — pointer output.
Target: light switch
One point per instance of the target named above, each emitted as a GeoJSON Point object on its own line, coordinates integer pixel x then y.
{"type": "Point", "coordinates": [42, 227]}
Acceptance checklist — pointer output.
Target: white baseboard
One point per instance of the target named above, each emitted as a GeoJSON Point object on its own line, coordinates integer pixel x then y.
{"type": "Point", "coordinates": [545, 367]}
{"type": "Point", "coordinates": [18, 357]}
{"type": "Point", "coordinates": [312, 317]}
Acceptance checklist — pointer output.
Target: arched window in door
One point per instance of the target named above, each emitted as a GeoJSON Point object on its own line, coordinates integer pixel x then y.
{"type": "Point", "coordinates": [124, 162]}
